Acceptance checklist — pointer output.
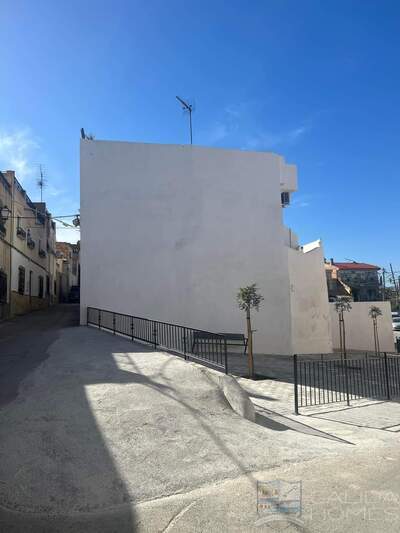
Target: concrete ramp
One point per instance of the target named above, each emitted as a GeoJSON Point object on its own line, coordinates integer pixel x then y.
{"type": "Point", "coordinates": [104, 424]}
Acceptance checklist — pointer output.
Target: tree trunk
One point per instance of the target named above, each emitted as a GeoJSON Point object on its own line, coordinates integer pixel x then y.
{"type": "Point", "coordinates": [344, 338]}
{"type": "Point", "coordinates": [341, 338]}
{"type": "Point", "coordinates": [377, 338]}
{"type": "Point", "coordinates": [250, 345]}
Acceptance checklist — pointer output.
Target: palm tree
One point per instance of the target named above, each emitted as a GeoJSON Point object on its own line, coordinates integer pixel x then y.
{"type": "Point", "coordinates": [248, 298]}
{"type": "Point", "coordinates": [374, 312]}
{"type": "Point", "coordinates": [341, 306]}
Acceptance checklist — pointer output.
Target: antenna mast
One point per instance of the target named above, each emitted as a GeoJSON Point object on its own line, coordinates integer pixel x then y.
{"type": "Point", "coordinates": [41, 182]}
{"type": "Point", "coordinates": [189, 108]}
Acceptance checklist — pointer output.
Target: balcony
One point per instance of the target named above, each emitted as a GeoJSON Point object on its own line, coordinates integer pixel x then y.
{"type": "Point", "coordinates": [30, 242]}
{"type": "Point", "coordinates": [21, 233]}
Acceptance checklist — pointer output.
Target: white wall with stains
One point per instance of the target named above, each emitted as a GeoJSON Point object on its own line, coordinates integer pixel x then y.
{"type": "Point", "coordinates": [359, 329]}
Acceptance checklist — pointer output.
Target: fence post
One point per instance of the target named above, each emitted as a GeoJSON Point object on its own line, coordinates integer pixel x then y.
{"type": "Point", "coordinates": [155, 334]}
{"type": "Point", "coordinates": [225, 356]}
{"type": "Point", "coordinates": [346, 378]}
{"type": "Point", "coordinates": [386, 376]}
{"type": "Point", "coordinates": [184, 342]}
{"type": "Point", "coordinates": [132, 336]}
{"type": "Point", "coordinates": [296, 382]}
{"type": "Point", "coordinates": [99, 320]}
{"type": "Point", "coordinates": [113, 323]}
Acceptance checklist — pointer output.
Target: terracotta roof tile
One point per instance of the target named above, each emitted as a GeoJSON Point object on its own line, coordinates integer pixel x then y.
{"type": "Point", "coordinates": [356, 266]}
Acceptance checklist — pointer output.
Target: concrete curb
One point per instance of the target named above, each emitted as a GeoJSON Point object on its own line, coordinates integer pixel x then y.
{"type": "Point", "coordinates": [236, 396]}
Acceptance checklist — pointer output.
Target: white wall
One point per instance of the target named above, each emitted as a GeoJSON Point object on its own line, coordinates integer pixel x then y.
{"type": "Point", "coordinates": [359, 330]}
{"type": "Point", "coordinates": [171, 232]}
{"type": "Point", "coordinates": [311, 322]}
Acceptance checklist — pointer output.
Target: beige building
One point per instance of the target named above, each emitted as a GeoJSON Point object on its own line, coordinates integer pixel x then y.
{"type": "Point", "coordinates": [336, 287]}
{"type": "Point", "coordinates": [68, 269]}
{"type": "Point", "coordinates": [28, 250]}
{"type": "Point", "coordinates": [5, 248]}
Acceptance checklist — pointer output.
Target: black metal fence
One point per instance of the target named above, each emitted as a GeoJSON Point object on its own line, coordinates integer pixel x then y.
{"type": "Point", "coordinates": [202, 346]}
{"type": "Point", "coordinates": [324, 381]}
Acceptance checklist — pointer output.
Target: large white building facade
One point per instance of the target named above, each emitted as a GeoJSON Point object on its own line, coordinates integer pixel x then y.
{"type": "Point", "coordinates": [170, 232]}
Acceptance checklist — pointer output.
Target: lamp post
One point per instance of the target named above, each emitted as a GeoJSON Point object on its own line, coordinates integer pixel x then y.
{"type": "Point", "coordinates": [5, 213]}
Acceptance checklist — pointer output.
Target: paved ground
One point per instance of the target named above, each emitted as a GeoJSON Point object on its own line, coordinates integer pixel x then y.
{"type": "Point", "coordinates": [105, 435]}
{"type": "Point", "coordinates": [24, 342]}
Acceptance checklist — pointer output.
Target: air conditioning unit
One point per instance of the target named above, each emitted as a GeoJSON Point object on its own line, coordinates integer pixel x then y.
{"type": "Point", "coordinates": [285, 199]}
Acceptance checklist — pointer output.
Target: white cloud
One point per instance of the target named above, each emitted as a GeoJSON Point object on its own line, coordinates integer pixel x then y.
{"type": "Point", "coordinates": [266, 139]}
{"type": "Point", "coordinates": [303, 200]}
{"type": "Point", "coordinates": [67, 234]}
{"type": "Point", "coordinates": [296, 133]}
{"type": "Point", "coordinates": [17, 149]}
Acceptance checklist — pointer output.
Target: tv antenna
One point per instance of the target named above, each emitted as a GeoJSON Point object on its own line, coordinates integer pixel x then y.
{"type": "Point", "coordinates": [189, 108]}
{"type": "Point", "coordinates": [41, 182]}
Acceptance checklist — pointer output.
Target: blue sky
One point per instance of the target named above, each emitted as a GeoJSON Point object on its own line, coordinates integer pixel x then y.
{"type": "Point", "coordinates": [318, 82]}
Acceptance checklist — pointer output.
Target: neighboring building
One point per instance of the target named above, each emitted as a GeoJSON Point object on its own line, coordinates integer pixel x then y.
{"type": "Point", "coordinates": [27, 251]}
{"type": "Point", "coordinates": [171, 232]}
{"type": "Point", "coordinates": [5, 248]}
{"type": "Point", "coordinates": [336, 287]}
{"type": "Point", "coordinates": [68, 269]}
{"type": "Point", "coordinates": [362, 279]}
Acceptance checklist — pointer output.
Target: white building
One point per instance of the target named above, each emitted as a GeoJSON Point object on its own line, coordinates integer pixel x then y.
{"type": "Point", "coordinates": [171, 232]}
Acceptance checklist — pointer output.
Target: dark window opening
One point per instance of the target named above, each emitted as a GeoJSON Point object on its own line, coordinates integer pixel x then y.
{"type": "Point", "coordinates": [3, 287]}
{"type": "Point", "coordinates": [21, 280]}
{"type": "Point", "coordinates": [40, 287]}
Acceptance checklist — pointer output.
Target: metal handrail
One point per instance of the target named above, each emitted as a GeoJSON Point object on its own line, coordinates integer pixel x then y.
{"type": "Point", "coordinates": [159, 322]}
{"type": "Point", "coordinates": [172, 337]}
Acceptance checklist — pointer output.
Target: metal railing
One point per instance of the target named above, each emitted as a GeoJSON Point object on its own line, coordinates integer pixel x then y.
{"type": "Point", "coordinates": [199, 345]}
{"type": "Point", "coordinates": [324, 381]}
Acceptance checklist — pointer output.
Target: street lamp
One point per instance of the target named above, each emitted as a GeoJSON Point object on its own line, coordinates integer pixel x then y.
{"type": "Point", "coordinates": [5, 212]}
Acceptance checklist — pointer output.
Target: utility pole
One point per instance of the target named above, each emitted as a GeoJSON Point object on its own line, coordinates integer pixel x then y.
{"type": "Point", "coordinates": [384, 284]}
{"type": "Point", "coordinates": [189, 108]}
{"type": "Point", "coordinates": [396, 287]}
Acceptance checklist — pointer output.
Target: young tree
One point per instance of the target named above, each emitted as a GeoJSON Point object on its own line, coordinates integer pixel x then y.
{"type": "Point", "coordinates": [374, 312]}
{"type": "Point", "coordinates": [248, 298]}
{"type": "Point", "coordinates": [343, 305]}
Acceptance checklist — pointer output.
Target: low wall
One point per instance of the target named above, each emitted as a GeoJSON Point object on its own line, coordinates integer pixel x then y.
{"type": "Point", "coordinates": [21, 304]}
{"type": "Point", "coordinates": [359, 329]}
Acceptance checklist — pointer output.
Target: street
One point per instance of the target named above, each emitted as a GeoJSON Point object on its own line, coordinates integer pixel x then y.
{"type": "Point", "coordinates": [24, 342]}
{"type": "Point", "coordinates": [99, 434]}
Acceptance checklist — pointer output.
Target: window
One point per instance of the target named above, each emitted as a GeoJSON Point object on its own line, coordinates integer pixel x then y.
{"type": "Point", "coordinates": [47, 286]}
{"type": "Point", "coordinates": [21, 280]}
{"type": "Point", "coordinates": [40, 287]}
{"type": "Point", "coordinates": [55, 287]}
